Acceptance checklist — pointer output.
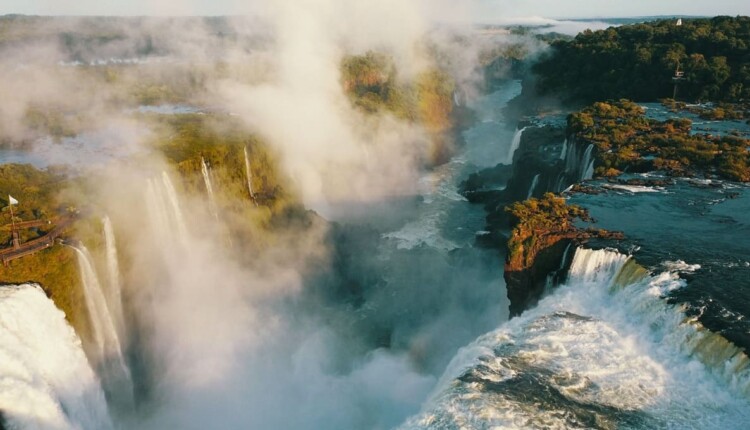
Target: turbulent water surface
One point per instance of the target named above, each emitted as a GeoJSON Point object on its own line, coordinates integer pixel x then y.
{"type": "Point", "coordinates": [603, 351]}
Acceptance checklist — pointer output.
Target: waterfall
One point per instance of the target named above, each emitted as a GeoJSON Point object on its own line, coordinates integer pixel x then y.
{"type": "Point", "coordinates": [560, 183]}
{"type": "Point", "coordinates": [515, 143]}
{"type": "Point", "coordinates": [564, 149]}
{"type": "Point", "coordinates": [209, 189]}
{"type": "Point", "coordinates": [164, 213]}
{"type": "Point", "coordinates": [606, 348]}
{"type": "Point", "coordinates": [108, 351]}
{"type": "Point", "coordinates": [587, 164]}
{"type": "Point", "coordinates": [249, 175]}
{"type": "Point", "coordinates": [571, 158]}
{"type": "Point", "coordinates": [174, 204]}
{"type": "Point", "coordinates": [114, 296]}
{"type": "Point", "coordinates": [45, 380]}
{"type": "Point", "coordinates": [565, 256]}
{"type": "Point", "coordinates": [595, 266]}
{"type": "Point", "coordinates": [534, 183]}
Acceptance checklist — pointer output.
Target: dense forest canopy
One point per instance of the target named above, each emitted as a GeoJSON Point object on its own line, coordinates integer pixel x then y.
{"type": "Point", "coordinates": [639, 62]}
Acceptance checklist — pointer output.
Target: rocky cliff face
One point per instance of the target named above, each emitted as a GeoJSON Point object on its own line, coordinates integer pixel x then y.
{"type": "Point", "coordinates": [537, 228]}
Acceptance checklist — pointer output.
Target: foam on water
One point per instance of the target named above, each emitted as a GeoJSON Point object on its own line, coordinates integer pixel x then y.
{"type": "Point", "coordinates": [45, 380]}
{"type": "Point", "coordinates": [633, 188]}
{"type": "Point", "coordinates": [603, 351]}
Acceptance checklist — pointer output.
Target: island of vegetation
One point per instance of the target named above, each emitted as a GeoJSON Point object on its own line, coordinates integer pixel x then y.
{"type": "Point", "coordinates": [626, 140]}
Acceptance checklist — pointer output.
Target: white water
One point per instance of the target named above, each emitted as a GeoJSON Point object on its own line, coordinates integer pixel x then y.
{"type": "Point", "coordinates": [45, 380]}
{"type": "Point", "coordinates": [534, 183]}
{"type": "Point", "coordinates": [209, 189]}
{"type": "Point", "coordinates": [606, 345]}
{"type": "Point", "coordinates": [107, 354]}
{"type": "Point", "coordinates": [249, 176]}
{"type": "Point", "coordinates": [114, 293]}
{"type": "Point", "coordinates": [515, 143]}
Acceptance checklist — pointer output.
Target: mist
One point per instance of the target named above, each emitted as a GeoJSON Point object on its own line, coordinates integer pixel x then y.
{"type": "Point", "coordinates": [322, 321]}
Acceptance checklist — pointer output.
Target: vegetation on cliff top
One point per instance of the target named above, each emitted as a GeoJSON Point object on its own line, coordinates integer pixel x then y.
{"type": "Point", "coordinates": [372, 83]}
{"type": "Point", "coordinates": [55, 268]}
{"type": "Point", "coordinates": [639, 61]}
{"type": "Point", "coordinates": [539, 223]}
{"type": "Point", "coordinates": [626, 139]}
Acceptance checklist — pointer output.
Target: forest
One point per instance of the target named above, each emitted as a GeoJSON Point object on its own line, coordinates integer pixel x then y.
{"type": "Point", "coordinates": [640, 61]}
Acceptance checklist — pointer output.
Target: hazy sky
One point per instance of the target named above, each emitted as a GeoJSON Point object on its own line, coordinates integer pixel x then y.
{"type": "Point", "coordinates": [484, 10]}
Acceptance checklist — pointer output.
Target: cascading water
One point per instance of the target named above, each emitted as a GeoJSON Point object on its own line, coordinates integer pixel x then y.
{"type": "Point", "coordinates": [108, 355]}
{"type": "Point", "coordinates": [532, 188]}
{"type": "Point", "coordinates": [114, 294]}
{"type": "Point", "coordinates": [209, 189]}
{"type": "Point", "coordinates": [515, 143]}
{"type": "Point", "coordinates": [249, 176]}
{"type": "Point", "coordinates": [603, 351]}
{"type": "Point", "coordinates": [45, 380]}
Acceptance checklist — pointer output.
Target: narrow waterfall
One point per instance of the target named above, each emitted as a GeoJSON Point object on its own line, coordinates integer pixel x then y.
{"type": "Point", "coordinates": [209, 189]}
{"type": "Point", "coordinates": [514, 144]}
{"type": "Point", "coordinates": [175, 212]}
{"type": "Point", "coordinates": [108, 354]}
{"type": "Point", "coordinates": [571, 158]}
{"type": "Point", "coordinates": [565, 256]}
{"type": "Point", "coordinates": [164, 213]}
{"type": "Point", "coordinates": [560, 183]}
{"type": "Point", "coordinates": [564, 151]}
{"type": "Point", "coordinates": [249, 175]}
{"type": "Point", "coordinates": [587, 164]}
{"type": "Point", "coordinates": [46, 382]}
{"type": "Point", "coordinates": [114, 293]}
{"type": "Point", "coordinates": [532, 188]}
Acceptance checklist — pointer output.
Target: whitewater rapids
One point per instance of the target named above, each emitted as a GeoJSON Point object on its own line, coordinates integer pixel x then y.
{"type": "Point", "coordinates": [45, 380]}
{"type": "Point", "coordinates": [603, 351]}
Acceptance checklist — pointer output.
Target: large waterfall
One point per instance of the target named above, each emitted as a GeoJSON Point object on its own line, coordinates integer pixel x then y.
{"type": "Point", "coordinates": [209, 189]}
{"type": "Point", "coordinates": [107, 355]}
{"type": "Point", "coordinates": [604, 351]}
{"type": "Point", "coordinates": [45, 380]}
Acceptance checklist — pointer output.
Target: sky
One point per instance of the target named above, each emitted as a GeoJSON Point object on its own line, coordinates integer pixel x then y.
{"type": "Point", "coordinates": [482, 10]}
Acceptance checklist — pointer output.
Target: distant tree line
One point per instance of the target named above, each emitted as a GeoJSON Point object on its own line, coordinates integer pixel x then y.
{"type": "Point", "coordinates": [639, 61]}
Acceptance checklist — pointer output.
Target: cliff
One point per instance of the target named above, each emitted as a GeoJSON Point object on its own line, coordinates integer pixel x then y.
{"type": "Point", "coordinates": [542, 231]}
